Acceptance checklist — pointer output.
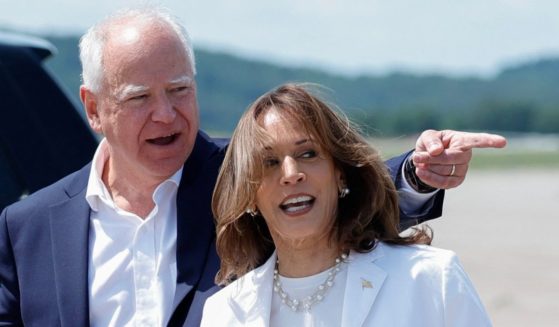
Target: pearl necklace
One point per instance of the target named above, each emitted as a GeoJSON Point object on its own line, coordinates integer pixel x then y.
{"type": "Point", "coordinates": [317, 296]}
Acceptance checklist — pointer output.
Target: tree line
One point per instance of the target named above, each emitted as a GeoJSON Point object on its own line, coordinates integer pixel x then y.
{"type": "Point", "coordinates": [521, 98]}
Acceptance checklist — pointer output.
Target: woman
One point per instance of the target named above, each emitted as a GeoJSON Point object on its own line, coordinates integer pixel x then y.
{"type": "Point", "coordinates": [307, 230]}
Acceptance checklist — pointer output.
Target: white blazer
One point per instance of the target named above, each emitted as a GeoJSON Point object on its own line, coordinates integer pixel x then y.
{"type": "Point", "coordinates": [391, 286]}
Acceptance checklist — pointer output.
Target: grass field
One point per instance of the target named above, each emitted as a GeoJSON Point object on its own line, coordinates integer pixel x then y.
{"type": "Point", "coordinates": [521, 152]}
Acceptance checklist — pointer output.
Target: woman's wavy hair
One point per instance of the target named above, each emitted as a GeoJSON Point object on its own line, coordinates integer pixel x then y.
{"type": "Point", "coordinates": [369, 213]}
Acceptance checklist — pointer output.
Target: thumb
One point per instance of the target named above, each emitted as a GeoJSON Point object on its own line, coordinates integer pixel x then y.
{"type": "Point", "coordinates": [430, 141]}
{"type": "Point", "coordinates": [434, 146]}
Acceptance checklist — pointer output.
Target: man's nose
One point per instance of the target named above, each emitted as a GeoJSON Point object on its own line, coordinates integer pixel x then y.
{"type": "Point", "coordinates": [163, 110]}
{"type": "Point", "coordinates": [291, 174]}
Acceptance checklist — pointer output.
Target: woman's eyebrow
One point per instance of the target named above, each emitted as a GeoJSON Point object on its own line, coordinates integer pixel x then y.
{"type": "Point", "coordinates": [299, 142]}
{"type": "Point", "coordinates": [303, 141]}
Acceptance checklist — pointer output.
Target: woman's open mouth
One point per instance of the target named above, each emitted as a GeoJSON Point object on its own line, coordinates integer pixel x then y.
{"type": "Point", "coordinates": [297, 205]}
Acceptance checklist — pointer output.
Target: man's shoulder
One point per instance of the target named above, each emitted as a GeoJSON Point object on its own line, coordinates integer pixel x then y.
{"type": "Point", "coordinates": [221, 142]}
{"type": "Point", "coordinates": [215, 144]}
{"type": "Point", "coordinates": [56, 192]}
{"type": "Point", "coordinates": [206, 157]}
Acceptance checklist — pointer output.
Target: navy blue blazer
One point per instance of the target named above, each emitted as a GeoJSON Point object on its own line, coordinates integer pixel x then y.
{"type": "Point", "coordinates": [44, 246]}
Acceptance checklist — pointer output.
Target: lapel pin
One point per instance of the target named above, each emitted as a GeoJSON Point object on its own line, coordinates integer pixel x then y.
{"type": "Point", "coordinates": [365, 284]}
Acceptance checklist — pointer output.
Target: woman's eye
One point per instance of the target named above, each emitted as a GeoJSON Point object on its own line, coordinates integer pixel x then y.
{"type": "Point", "coordinates": [270, 162]}
{"type": "Point", "coordinates": [308, 154]}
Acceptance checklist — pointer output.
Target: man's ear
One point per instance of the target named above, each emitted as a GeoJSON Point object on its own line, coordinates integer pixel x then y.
{"type": "Point", "coordinates": [90, 104]}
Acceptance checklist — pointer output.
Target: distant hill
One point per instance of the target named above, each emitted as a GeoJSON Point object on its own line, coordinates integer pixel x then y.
{"type": "Point", "coordinates": [523, 98]}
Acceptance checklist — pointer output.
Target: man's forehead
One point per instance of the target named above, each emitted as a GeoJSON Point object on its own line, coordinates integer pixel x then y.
{"type": "Point", "coordinates": [139, 36]}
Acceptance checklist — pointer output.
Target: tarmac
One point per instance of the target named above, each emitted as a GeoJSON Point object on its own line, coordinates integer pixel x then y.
{"type": "Point", "coordinates": [504, 226]}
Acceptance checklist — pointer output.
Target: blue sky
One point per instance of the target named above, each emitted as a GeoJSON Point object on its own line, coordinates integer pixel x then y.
{"type": "Point", "coordinates": [474, 37]}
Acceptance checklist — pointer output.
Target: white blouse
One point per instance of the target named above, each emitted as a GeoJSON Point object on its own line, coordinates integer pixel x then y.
{"type": "Point", "coordinates": [328, 312]}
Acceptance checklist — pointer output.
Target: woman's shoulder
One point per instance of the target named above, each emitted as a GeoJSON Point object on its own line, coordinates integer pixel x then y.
{"type": "Point", "coordinates": [412, 257]}
{"type": "Point", "coordinates": [416, 267]}
{"type": "Point", "coordinates": [433, 280]}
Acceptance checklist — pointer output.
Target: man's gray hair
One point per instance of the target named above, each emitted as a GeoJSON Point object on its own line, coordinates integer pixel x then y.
{"type": "Point", "coordinates": [92, 43]}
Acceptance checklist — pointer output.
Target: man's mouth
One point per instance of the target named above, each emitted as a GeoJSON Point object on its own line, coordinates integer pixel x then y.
{"type": "Point", "coordinates": [297, 204]}
{"type": "Point", "coordinates": [164, 140]}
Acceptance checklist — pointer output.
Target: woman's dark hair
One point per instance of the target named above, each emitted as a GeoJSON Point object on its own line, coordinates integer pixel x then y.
{"type": "Point", "coordinates": [368, 214]}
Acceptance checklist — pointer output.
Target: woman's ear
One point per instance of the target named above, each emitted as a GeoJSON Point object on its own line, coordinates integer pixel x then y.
{"type": "Point", "coordinates": [343, 189]}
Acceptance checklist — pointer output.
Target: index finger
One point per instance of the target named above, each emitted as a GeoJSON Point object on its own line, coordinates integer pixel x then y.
{"type": "Point", "coordinates": [468, 141]}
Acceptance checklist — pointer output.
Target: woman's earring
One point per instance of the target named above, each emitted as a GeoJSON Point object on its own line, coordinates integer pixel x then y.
{"type": "Point", "coordinates": [344, 192]}
{"type": "Point", "coordinates": [252, 212]}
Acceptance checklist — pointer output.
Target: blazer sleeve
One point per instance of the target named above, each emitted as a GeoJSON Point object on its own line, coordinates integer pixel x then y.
{"type": "Point", "coordinates": [431, 209]}
{"type": "Point", "coordinates": [462, 305]}
{"type": "Point", "coordinates": [9, 288]}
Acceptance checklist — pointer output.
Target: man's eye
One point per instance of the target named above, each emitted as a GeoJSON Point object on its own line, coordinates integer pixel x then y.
{"type": "Point", "coordinates": [138, 97]}
{"type": "Point", "coordinates": [179, 89]}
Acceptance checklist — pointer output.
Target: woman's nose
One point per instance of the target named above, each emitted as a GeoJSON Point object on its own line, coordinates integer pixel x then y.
{"type": "Point", "coordinates": [291, 174]}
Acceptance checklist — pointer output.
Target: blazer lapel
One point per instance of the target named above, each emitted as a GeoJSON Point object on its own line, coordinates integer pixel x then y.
{"type": "Point", "coordinates": [195, 227]}
{"type": "Point", "coordinates": [69, 230]}
{"type": "Point", "coordinates": [253, 298]}
{"type": "Point", "coordinates": [364, 281]}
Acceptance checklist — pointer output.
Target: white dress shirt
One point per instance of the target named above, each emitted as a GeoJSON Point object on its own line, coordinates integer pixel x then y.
{"type": "Point", "coordinates": [132, 261]}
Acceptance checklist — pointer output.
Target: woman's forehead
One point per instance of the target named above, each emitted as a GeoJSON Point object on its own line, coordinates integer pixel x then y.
{"type": "Point", "coordinates": [273, 116]}
{"type": "Point", "coordinates": [284, 127]}
{"type": "Point", "coordinates": [283, 120]}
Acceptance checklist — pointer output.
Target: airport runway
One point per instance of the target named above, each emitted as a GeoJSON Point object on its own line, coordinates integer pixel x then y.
{"type": "Point", "coordinates": [504, 226]}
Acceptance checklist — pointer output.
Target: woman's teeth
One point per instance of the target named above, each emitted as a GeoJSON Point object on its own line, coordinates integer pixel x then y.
{"type": "Point", "coordinates": [297, 203]}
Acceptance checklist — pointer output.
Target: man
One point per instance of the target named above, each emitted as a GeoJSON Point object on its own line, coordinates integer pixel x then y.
{"type": "Point", "coordinates": [129, 239]}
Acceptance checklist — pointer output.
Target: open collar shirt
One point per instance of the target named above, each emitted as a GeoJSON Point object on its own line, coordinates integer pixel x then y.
{"type": "Point", "coordinates": [132, 261]}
